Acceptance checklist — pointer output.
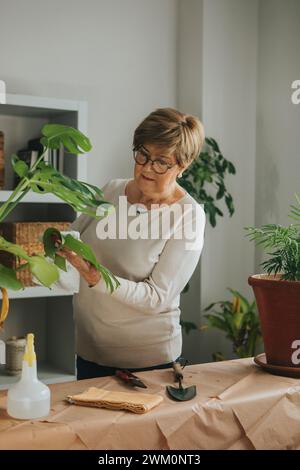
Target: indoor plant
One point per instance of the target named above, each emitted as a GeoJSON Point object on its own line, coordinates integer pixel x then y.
{"type": "Point", "coordinates": [278, 291]}
{"type": "Point", "coordinates": [238, 319]}
{"type": "Point", "coordinates": [204, 180]}
{"type": "Point", "coordinates": [81, 196]}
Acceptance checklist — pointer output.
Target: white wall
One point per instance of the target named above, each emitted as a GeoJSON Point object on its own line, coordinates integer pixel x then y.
{"type": "Point", "coordinates": [278, 120]}
{"type": "Point", "coordinates": [221, 47]}
{"type": "Point", "coordinates": [119, 55]}
{"type": "Point", "coordinates": [189, 93]}
{"type": "Point", "coordinates": [248, 55]}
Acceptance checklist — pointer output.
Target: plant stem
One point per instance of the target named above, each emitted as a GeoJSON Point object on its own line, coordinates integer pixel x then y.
{"type": "Point", "coordinates": [5, 208]}
{"type": "Point", "coordinates": [10, 204]}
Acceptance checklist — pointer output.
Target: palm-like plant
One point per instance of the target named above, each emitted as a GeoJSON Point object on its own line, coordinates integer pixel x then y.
{"type": "Point", "coordinates": [82, 197]}
{"type": "Point", "coordinates": [239, 320]}
{"type": "Point", "coordinates": [285, 241]}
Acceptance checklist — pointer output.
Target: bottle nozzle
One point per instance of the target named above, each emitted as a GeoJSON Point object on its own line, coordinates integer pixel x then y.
{"type": "Point", "coordinates": [30, 355]}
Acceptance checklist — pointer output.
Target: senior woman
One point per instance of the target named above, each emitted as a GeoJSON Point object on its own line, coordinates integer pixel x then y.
{"type": "Point", "coordinates": [137, 327]}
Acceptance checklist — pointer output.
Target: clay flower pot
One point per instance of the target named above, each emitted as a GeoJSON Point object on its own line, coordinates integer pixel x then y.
{"type": "Point", "coordinates": [278, 304]}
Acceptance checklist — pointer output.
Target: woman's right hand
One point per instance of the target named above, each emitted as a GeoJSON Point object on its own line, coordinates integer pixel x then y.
{"type": "Point", "coordinates": [85, 268]}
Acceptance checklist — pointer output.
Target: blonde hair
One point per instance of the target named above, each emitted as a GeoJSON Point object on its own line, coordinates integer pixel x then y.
{"type": "Point", "coordinates": [175, 132]}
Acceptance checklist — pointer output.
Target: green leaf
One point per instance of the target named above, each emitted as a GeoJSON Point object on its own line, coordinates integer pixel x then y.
{"type": "Point", "coordinates": [244, 304]}
{"type": "Point", "coordinates": [216, 322]}
{"type": "Point", "coordinates": [82, 249]}
{"type": "Point", "coordinates": [19, 166]}
{"type": "Point", "coordinates": [8, 279]}
{"type": "Point", "coordinates": [231, 168]}
{"type": "Point", "coordinates": [87, 254]}
{"type": "Point", "coordinates": [82, 197]}
{"type": "Point", "coordinates": [46, 272]}
{"type": "Point", "coordinates": [187, 326]}
{"type": "Point", "coordinates": [60, 261]}
{"type": "Point", "coordinates": [221, 191]}
{"type": "Point", "coordinates": [213, 144]}
{"type": "Point", "coordinates": [210, 306]}
{"type": "Point", "coordinates": [218, 356]}
{"type": "Point", "coordinates": [13, 248]}
{"type": "Point", "coordinates": [186, 288]}
{"type": "Point", "coordinates": [52, 241]}
{"type": "Point", "coordinates": [72, 139]}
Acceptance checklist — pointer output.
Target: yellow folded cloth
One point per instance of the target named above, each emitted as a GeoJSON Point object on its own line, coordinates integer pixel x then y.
{"type": "Point", "coordinates": [136, 402]}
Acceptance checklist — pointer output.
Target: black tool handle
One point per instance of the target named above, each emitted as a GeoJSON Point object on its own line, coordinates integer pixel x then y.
{"type": "Point", "coordinates": [178, 371]}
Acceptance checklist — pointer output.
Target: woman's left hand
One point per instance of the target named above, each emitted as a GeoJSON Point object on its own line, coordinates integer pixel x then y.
{"type": "Point", "coordinates": [85, 269]}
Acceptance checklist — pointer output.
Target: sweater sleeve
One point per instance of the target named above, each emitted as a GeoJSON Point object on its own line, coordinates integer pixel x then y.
{"type": "Point", "coordinates": [170, 275]}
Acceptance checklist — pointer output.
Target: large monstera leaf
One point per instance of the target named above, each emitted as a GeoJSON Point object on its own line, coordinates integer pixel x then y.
{"type": "Point", "coordinates": [54, 241]}
{"type": "Point", "coordinates": [45, 271]}
{"type": "Point", "coordinates": [43, 178]}
{"type": "Point", "coordinates": [72, 139]}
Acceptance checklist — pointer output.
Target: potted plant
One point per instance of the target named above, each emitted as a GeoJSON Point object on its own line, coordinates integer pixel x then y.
{"type": "Point", "coordinates": [81, 196]}
{"type": "Point", "coordinates": [277, 292]}
{"type": "Point", "coordinates": [239, 320]}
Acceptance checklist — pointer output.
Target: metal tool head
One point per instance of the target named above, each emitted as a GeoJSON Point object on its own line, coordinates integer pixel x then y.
{"type": "Point", "coordinates": [180, 393]}
{"type": "Point", "coordinates": [129, 378]}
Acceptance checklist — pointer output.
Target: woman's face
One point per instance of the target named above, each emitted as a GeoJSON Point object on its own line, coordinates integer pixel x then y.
{"type": "Point", "coordinates": [147, 179]}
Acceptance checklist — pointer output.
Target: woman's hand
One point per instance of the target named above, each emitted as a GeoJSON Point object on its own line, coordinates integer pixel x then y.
{"type": "Point", "coordinates": [85, 269]}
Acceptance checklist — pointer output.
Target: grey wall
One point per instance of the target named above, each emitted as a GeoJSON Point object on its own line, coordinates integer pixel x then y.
{"type": "Point", "coordinates": [245, 56]}
{"type": "Point", "coordinates": [218, 42]}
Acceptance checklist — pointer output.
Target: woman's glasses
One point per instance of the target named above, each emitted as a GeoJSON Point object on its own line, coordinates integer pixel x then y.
{"type": "Point", "coordinates": [142, 157]}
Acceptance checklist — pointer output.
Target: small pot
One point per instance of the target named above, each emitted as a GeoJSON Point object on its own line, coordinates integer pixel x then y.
{"type": "Point", "coordinates": [278, 304]}
{"type": "Point", "coordinates": [15, 349]}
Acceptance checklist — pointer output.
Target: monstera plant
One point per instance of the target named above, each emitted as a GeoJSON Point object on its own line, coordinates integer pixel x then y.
{"type": "Point", "coordinates": [81, 196]}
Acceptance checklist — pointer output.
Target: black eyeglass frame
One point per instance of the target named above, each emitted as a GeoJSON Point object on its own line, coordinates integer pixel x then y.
{"type": "Point", "coordinates": [137, 149]}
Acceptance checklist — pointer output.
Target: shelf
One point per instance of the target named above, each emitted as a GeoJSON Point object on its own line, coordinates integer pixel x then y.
{"type": "Point", "coordinates": [38, 291]}
{"type": "Point", "coordinates": [46, 312]}
{"type": "Point", "coordinates": [47, 373]}
{"type": "Point", "coordinates": [32, 197]}
{"type": "Point", "coordinates": [26, 105]}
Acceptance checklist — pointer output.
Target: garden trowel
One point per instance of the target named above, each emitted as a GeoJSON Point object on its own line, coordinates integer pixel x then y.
{"type": "Point", "coordinates": [180, 393]}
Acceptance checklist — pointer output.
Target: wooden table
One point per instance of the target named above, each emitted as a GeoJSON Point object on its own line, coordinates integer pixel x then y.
{"type": "Point", "coordinates": [238, 406]}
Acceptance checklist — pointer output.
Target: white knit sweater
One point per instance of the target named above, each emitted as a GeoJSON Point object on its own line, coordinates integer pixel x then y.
{"type": "Point", "coordinates": [138, 324]}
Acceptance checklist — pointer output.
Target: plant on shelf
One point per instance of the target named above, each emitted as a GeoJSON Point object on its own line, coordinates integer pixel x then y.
{"type": "Point", "coordinates": [82, 197]}
{"type": "Point", "coordinates": [277, 291]}
{"type": "Point", "coordinates": [239, 320]}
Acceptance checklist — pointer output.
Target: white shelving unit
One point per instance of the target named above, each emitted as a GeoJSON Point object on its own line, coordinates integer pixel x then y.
{"type": "Point", "coordinates": [45, 312]}
{"type": "Point", "coordinates": [38, 291]}
{"type": "Point", "coordinates": [32, 197]}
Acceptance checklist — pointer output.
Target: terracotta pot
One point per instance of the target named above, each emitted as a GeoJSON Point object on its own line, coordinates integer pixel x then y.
{"type": "Point", "coordinates": [278, 304]}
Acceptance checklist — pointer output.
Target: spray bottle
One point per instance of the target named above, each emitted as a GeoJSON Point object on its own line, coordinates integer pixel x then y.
{"type": "Point", "coordinates": [29, 398]}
